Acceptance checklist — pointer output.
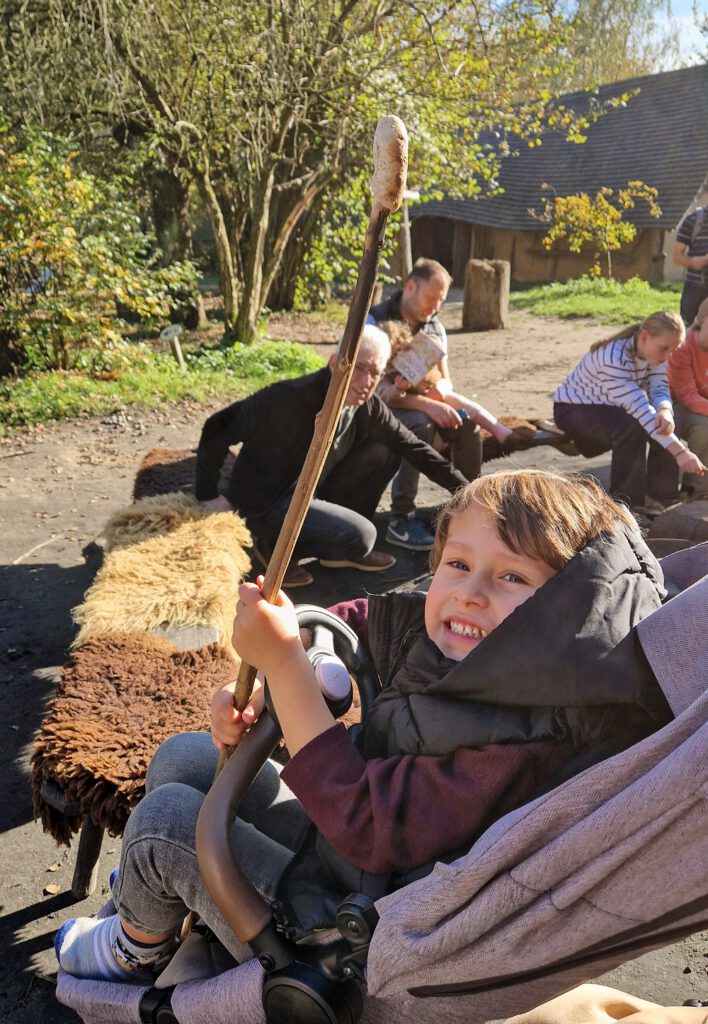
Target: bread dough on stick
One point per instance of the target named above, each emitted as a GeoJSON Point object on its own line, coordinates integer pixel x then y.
{"type": "Point", "coordinates": [390, 162]}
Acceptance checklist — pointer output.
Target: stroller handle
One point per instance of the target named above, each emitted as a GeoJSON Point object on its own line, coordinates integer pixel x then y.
{"type": "Point", "coordinates": [245, 911]}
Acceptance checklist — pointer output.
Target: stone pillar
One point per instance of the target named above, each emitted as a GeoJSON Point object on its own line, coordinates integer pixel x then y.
{"type": "Point", "coordinates": [485, 305]}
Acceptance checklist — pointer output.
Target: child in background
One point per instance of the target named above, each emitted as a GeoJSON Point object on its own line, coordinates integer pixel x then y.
{"type": "Point", "coordinates": [517, 668]}
{"type": "Point", "coordinates": [439, 415]}
{"type": "Point", "coordinates": [688, 377]}
{"type": "Point", "coordinates": [437, 386]}
{"type": "Point", "coordinates": [617, 398]}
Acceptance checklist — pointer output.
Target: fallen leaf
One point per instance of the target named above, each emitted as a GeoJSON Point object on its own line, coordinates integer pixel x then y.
{"type": "Point", "coordinates": [52, 890]}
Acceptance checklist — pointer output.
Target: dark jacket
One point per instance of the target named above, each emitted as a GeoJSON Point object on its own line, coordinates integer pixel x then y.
{"type": "Point", "coordinates": [565, 665]}
{"type": "Point", "coordinates": [275, 428]}
{"type": "Point", "coordinates": [563, 678]}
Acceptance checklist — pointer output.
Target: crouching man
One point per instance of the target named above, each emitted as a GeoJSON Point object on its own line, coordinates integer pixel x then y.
{"type": "Point", "coordinates": [275, 428]}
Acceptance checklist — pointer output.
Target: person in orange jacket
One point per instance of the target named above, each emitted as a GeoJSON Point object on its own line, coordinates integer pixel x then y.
{"type": "Point", "coordinates": [688, 378]}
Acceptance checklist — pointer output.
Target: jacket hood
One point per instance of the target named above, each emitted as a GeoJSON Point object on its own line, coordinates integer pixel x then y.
{"type": "Point", "coordinates": [571, 647]}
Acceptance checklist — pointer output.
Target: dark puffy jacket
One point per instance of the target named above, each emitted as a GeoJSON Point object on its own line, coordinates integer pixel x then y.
{"type": "Point", "coordinates": [566, 664]}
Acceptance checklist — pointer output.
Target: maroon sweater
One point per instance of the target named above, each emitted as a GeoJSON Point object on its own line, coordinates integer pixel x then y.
{"type": "Point", "coordinates": [396, 813]}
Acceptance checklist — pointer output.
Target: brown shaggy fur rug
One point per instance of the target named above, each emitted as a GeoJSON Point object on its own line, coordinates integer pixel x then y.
{"type": "Point", "coordinates": [186, 577]}
{"type": "Point", "coordinates": [164, 470]}
{"type": "Point", "coordinates": [118, 698]}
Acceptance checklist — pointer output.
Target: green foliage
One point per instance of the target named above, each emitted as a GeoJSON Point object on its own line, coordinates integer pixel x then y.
{"type": "Point", "coordinates": [334, 253]}
{"type": "Point", "coordinates": [267, 107]}
{"type": "Point", "coordinates": [607, 301]}
{"type": "Point", "coordinates": [148, 379]}
{"type": "Point", "coordinates": [270, 360]}
{"type": "Point", "coordinates": [72, 249]}
{"type": "Point", "coordinates": [596, 222]}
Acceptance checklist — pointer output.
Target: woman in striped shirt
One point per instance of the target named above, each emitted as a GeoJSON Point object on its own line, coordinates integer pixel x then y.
{"type": "Point", "coordinates": [617, 398]}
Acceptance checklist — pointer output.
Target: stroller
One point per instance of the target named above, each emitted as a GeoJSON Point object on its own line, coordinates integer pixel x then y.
{"type": "Point", "coordinates": [607, 866]}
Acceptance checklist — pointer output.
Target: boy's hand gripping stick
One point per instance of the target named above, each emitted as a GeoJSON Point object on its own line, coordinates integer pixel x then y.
{"type": "Point", "coordinates": [387, 186]}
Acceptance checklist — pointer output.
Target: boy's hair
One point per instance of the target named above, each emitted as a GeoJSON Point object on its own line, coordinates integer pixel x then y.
{"type": "Point", "coordinates": [701, 314]}
{"type": "Point", "coordinates": [664, 322]}
{"type": "Point", "coordinates": [425, 269]}
{"type": "Point", "coordinates": [542, 515]}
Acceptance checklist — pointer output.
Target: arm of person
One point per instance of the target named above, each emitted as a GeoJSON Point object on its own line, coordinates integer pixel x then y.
{"type": "Point", "coordinates": [393, 814]}
{"type": "Point", "coordinates": [267, 636]}
{"type": "Point", "coordinates": [682, 379]}
{"type": "Point", "coordinates": [681, 257]}
{"type": "Point", "coordinates": [220, 431]}
{"type": "Point", "coordinates": [479, 415]}
{"type": "Point", "coordinates": [618, 383]}
{"type": "Point", "coordinates": [396, 394]}
{"type": "Point", "coordinates": [228, 725]}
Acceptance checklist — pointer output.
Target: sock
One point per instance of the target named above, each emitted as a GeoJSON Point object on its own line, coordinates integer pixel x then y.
{"type": "Point", "coordinates": [100, 949]}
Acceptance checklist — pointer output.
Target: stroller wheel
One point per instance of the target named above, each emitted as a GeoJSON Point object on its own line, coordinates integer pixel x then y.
{"type": "Point", "coordinates": [301, 995]}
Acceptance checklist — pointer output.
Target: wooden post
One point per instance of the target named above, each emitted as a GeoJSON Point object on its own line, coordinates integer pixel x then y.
{"type": "Point", "coordinates": [485, 305]}
{"type": "Point", "coordinates": [171, 335]}
{"type": "Point", "coordinates": [177, 352]}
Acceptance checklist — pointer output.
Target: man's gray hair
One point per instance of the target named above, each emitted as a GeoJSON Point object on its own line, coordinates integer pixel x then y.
{"type": "Point", "coordinates": [374, 340]}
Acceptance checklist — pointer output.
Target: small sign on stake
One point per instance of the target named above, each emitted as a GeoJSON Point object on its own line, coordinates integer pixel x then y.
{"type": "Point", "coordinates": [172, 335]}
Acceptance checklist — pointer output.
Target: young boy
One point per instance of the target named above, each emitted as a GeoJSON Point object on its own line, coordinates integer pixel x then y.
{"type": "Point", "coordinates": [517, 668]}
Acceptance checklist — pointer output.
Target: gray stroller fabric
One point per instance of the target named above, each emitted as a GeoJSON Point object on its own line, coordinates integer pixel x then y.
{"type": "Point", "coordinates": [608, 865]}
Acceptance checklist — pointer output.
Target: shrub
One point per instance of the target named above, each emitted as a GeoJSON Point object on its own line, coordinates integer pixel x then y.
{"type": "Point", "coordinates": [72, 250]}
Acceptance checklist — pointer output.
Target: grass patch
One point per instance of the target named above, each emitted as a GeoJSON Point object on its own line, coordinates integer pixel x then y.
{"type": "Point", "coordinates": [333, 312]}
{"type": "Point", "coordinates": [603, 300]}
{"type": "Point", "coordinates": [153, 378]}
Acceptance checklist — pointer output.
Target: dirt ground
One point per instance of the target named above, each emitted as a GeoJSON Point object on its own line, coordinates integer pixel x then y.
{"type": "Point", "coordinates": [59, 485]}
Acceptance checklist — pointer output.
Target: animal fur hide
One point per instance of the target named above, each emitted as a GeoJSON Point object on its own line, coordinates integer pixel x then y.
{"type": "Point", "coordinates": [187, 577]}
{"type": "Point", "coordinates": [118, 698]}
{"type": "Point", "coordinates": [164, 470]}
{"type": "Point", "coordinates": [150, 517]}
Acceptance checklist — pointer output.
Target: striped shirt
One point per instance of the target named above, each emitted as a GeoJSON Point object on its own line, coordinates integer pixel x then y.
{"type": "Point", "coordinates": [615, 375]}
{"type": "Point", "coordinates": [697, 246]}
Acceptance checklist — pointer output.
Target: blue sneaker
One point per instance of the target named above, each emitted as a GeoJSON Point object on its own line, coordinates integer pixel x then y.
{"type": "Point", "coordinates": [409, 532]}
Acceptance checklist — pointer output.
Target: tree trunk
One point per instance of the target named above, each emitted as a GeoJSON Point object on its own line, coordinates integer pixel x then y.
{"type": "Point", "coordinates": [173, 226]}
{"type": "Point", "coordinates": [252, 298]}
{"type": "Point", "coordinates": [227, 276]}
{"type": "Point", "coordinates": [306, 201]}
{"type": "Point", "coordinates": [282, 291]}
{"type": "Point", "coordinates": [485, 305]}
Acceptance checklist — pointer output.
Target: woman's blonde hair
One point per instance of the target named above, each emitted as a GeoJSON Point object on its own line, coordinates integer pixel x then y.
{"type": "Point", "coordinates": [542, 515]}
{"type": "Point", "coordinates": [664, 322]}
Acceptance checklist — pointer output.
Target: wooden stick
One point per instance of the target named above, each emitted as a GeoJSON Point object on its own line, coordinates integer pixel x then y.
{"type": "Point", "coordinates": [387, 186]}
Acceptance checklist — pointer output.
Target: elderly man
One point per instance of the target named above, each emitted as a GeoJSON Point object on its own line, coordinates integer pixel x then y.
{"type": "Point", "coordinates": [275, 427]}
{"type": "Point", "coordinates": [417, 304]}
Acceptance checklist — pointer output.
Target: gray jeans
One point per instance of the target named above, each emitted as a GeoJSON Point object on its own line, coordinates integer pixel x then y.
{"type": "Point", "coordinates": [159, 878]}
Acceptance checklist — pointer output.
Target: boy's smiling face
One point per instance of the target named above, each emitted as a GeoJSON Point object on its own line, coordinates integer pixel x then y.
{"type": "Point", "coordinates": [478, 583]}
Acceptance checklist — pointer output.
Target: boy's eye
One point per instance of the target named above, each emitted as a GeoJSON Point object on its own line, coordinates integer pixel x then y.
{"type": "Point", "coordinates": [457, 563]}
{"type": "Point", "coordinates": [513, 577]}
